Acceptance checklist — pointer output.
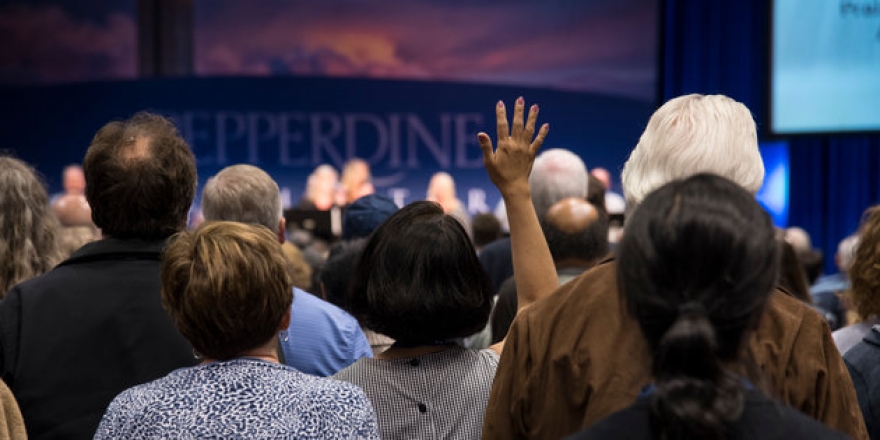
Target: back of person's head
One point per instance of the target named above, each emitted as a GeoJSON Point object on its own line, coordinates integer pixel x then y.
{"type": "Point", "coordinates": [694, 134]}
{"type": "Point", "coordinates": [696, 267]}
{"type": "Point", "coordinates": [338, 270]}
{"type": "Point", "coordinates": [365, 214]}
{"type": "Point", "coordinates": [557, 174]}
{"type": "Point", "coordinates": [846, 250]}
{"type": "Point", "coordinates": [300, 269]}
{"type": "Point", "coordinates": [576, 231]}
{"type": "Point", "coordinates": [419, 280]}
{"type": "Point", "coordinates": [596, 193]}
{"type": "Point", "coordinates": [810, 258]}
{"type": "Point", "coordinates": [864, 272]}
{"type": "Point", "coordinates": [226, 286]}
{"type": "Point", "coordinates": [72, 238]}
{"type": "Point", "coordinates": [140, 178]}
{"type": "Point", "coordinates": [29, 243]}
{"type": "Point", "coordinates": [242, 193]}
{"type": "Point", "coordinates": [73, 210]}
{"type": "Point", "coordinates": [485, 228]}
{"type": "Point", "coordinates": [792, 275]}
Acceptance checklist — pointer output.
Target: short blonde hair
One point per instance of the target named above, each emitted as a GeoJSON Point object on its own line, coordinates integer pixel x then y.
{"type": "Point", "coordinates": [226, 286]}
{"type": "Point", "coordinates": [694, 134]}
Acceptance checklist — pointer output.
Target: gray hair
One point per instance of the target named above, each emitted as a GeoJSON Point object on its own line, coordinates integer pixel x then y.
{"type": "Point", "coordinates": [29, 243]}
{"type": "Point", "coordinates": [694, 134]}
{"type": "Point", "coordinates": [557, 174]}
{"type": "Point", "coordinates": [242, 193]}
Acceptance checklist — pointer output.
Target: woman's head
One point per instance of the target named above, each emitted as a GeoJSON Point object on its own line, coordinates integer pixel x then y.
{"type": "Point", "coordinates": [29, 242]}
{"type": "Point", "coordinates": [419, 279]}
{"type": "Point", "coordinates": [864, 273]}
{"type": "Point", "coordinates": [227, 287]}
{"type": "Point", "coordinates": [696, 266]}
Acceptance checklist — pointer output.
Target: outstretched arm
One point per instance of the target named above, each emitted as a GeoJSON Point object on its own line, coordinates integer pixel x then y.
{"type": "Point", "coordinates": [509, 166]}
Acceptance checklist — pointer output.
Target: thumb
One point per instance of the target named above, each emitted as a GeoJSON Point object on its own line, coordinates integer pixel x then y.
{"type": "Point", "coordinates": [485, 145]}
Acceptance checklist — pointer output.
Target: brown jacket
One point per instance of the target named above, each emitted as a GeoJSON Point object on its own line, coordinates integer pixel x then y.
{"type": "Point", "coordinates": [576, 357]}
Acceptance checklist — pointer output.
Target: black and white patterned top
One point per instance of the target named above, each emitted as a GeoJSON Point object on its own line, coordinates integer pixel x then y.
{"type": "Point", "coordinates": [240, 398]}
{"type": "Point", "coordinates": [436, 396]}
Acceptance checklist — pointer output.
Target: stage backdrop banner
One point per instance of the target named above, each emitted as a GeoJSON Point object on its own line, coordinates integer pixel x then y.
{"type": "Point", "coordinates": [406, 130]}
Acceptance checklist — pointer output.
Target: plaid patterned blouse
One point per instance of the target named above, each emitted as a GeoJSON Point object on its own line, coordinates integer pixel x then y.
{"type": "Point", "coordinates": [440, 395]}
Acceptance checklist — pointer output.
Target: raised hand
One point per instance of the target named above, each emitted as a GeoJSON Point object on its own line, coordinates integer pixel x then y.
{"type": "Point", "coordinates": [510, 164]}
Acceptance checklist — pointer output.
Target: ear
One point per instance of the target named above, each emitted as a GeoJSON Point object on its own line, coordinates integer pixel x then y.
{"type": "Point", "coordinates": [285, 321]}
{"type": "Point", "coordinates": [282, 230]}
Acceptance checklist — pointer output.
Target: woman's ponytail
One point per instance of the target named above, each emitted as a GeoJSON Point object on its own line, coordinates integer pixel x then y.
{"type": "Point", "coordinates": [694, 397]}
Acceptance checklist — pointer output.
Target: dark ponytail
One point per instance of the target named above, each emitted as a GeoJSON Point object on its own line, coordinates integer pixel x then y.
{"type": "Point", "coordinates": [695, 267]}
{"type": "Point", "coordinates": [694, 396]}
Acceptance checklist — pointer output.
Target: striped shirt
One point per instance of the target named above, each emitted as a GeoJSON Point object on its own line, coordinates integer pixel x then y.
{"type": "Point", "coordinates": [439, 395]}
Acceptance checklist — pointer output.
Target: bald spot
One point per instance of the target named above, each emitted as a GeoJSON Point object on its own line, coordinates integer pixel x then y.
{"type": "Point", "coordinates": [140, 148]}
{"type": "Point", "coordinates": [571, 215]}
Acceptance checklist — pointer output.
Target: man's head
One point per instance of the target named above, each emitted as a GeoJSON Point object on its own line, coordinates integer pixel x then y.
{"type": "Point", "coordinates": [73, 210]}
{"type": "Point", "coordinates": [321, 187]}
{"type": "Point", "coordinates": [603, 175]}
{"type": "Point", "coordinates": [245, 194]}
{"type": "Point", "coordinates": [576, 232]}
{"type": "Point", "coordinates": [140, 178]}
{"type": "Point", "coordinates": [73, 180]}
{"type": "Point", "coordinates": [694, 134]}
{"type": "Point", "coordinates": [356, 180]}
{"type": "Point", "coordinates": [557, 174]}
{"type": "Point", "coordinates": [441, 188]}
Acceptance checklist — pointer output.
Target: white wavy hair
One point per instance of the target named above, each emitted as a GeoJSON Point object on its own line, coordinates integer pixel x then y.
{"type": "Point", "coordinates": [694, 134]}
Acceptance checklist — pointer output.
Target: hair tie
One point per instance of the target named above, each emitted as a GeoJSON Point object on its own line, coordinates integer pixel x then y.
{"type": "Point", "coordinates": [692, 308]}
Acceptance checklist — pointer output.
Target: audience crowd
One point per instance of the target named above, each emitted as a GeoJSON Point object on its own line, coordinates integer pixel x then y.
{"type": "Point", "coordinates": [694, 318]}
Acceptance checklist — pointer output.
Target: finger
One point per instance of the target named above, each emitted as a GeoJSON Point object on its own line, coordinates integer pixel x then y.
{"type": "Point", "coordinates": [518, 118]}
{"type": "Point", "coordinates": [539, 140]}
{"type": "Point", "coordinates": [485, 145]}
{"type": "Point", "coordinates": [501, 117]}
{"type": "Point", "coordinates": [530, 123]}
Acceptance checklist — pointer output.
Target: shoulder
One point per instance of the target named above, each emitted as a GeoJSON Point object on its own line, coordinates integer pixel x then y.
{"type": "Point", "coordinates": [766, 418]}
{"type": "Point", "coordinates": [304, 303]}
{"type": "Point", "coordinates": [631, 422]}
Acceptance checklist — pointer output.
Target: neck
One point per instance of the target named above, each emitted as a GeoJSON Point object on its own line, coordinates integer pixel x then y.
{"type": "Point", "coordinates": [398, 352]}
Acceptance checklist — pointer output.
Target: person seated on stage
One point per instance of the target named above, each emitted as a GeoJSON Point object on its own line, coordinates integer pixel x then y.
{"type": "Point", "coordinates": [356, 181]}
{"type": "Point", "coordinates": [441, 190]}
{"type": "Point", "coordinates": [227, 288]}
{"type": "Point", "coordinates": [697, 266]}
{"type": "Point", "coordinates": [29, 242]}
{"type": "Point", "coordinates": [321, 189]}
{"type": "Point", "coordinates": [419, 281]}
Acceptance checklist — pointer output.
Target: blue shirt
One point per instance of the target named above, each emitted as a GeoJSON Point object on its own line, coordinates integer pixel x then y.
{"type": "Point", "coordinates": [322, 338]}
{"type": "Point", "coordinates": [240, 398]}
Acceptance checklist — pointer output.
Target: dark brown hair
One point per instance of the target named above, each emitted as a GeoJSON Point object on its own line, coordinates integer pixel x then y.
{"type": "Point", "coordinates": [140, 178]}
